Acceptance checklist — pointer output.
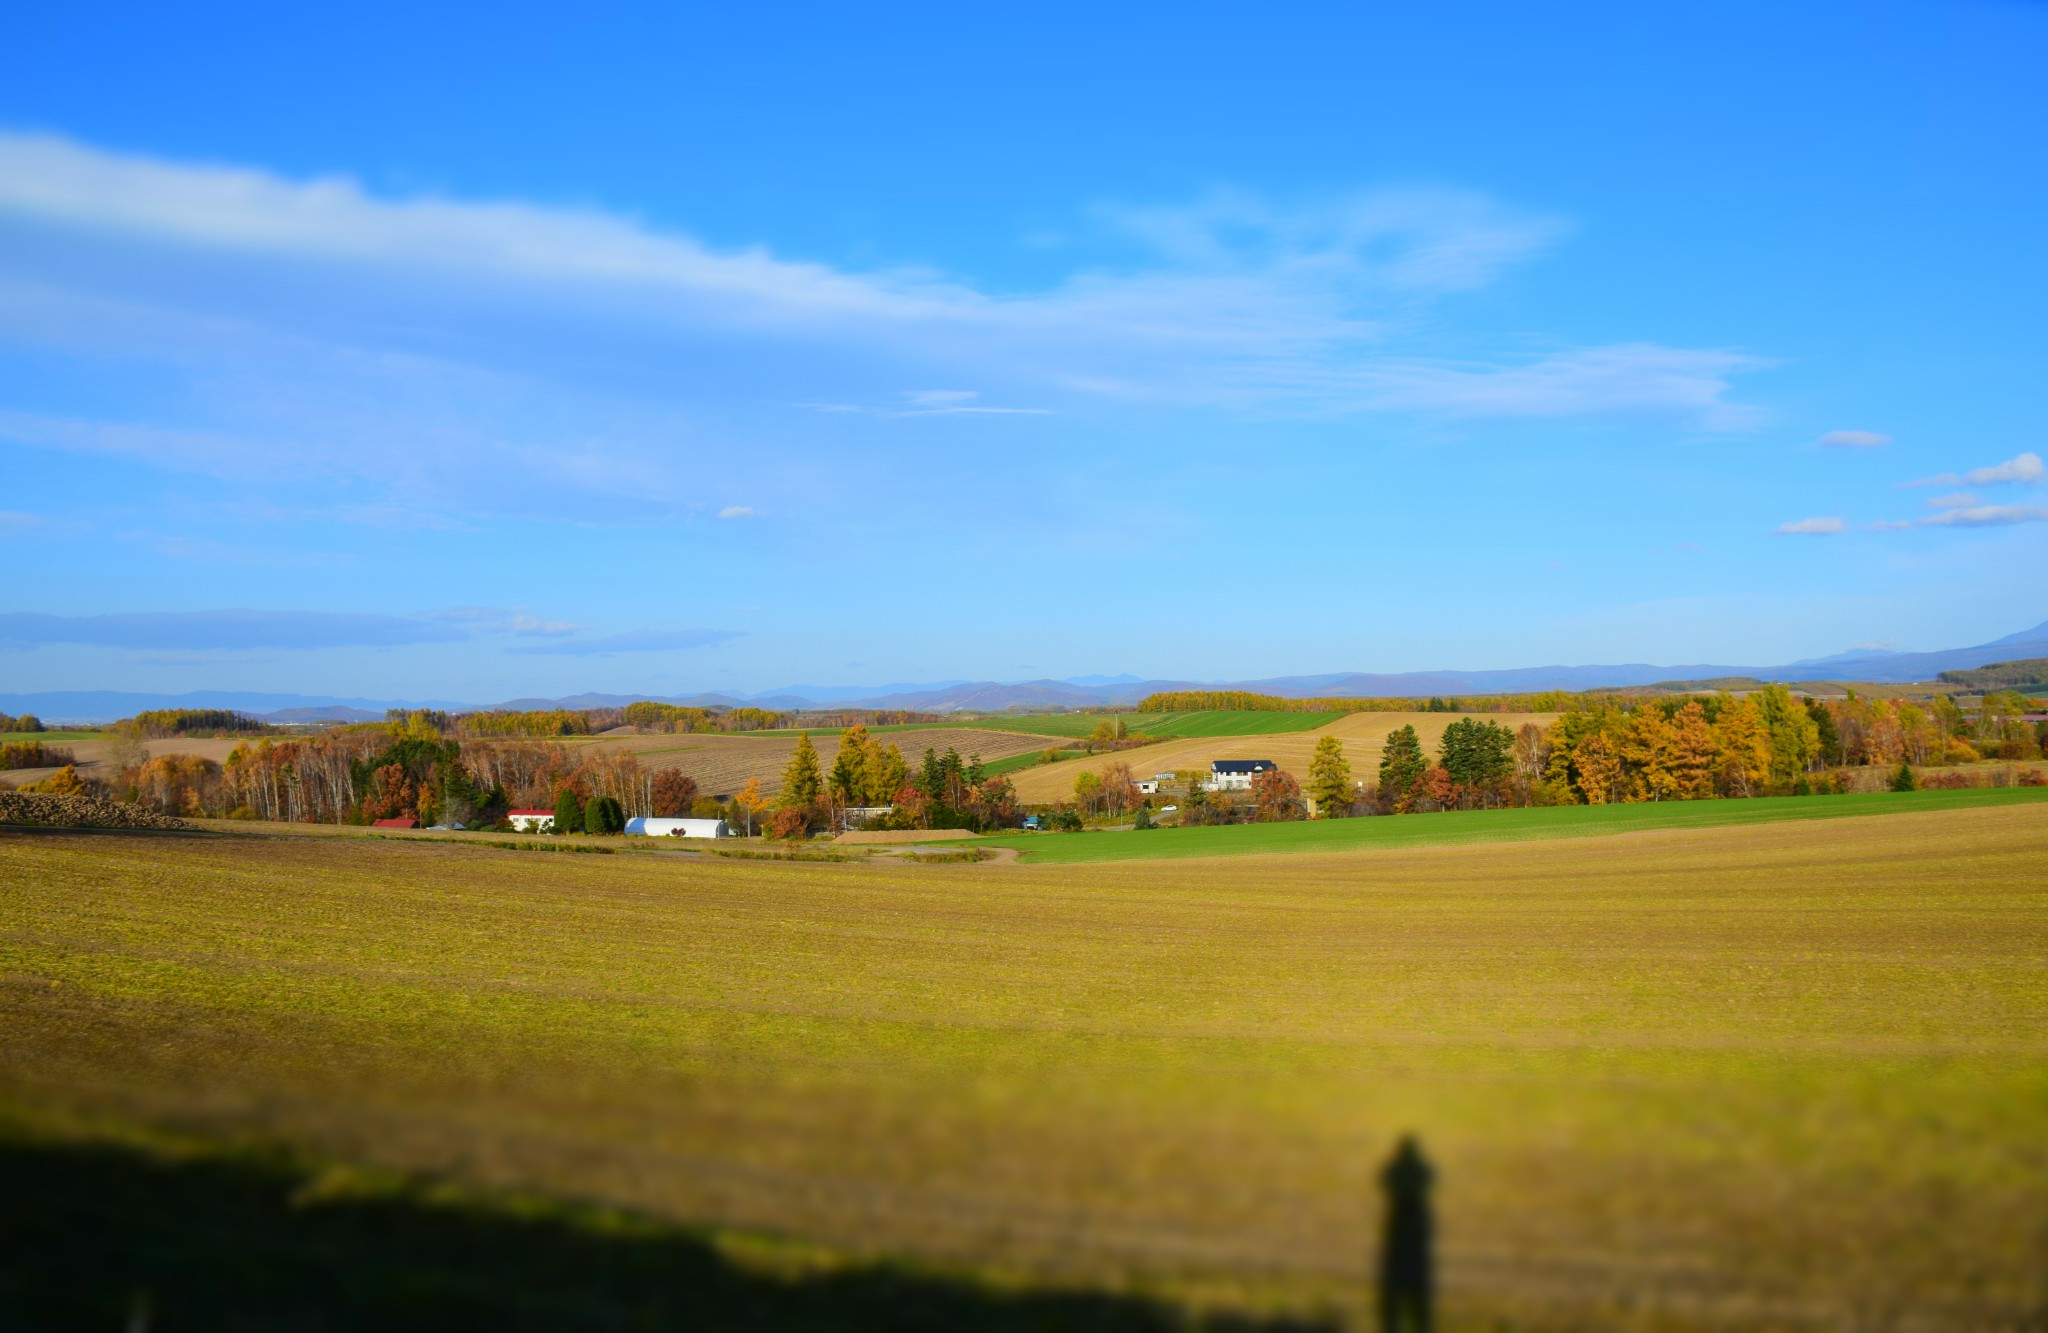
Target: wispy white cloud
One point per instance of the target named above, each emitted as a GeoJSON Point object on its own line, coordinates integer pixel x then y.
{"type": "Point", "coordinates": [1854, 439]}
{"type": "Point", "coordinates": [1639, 376]}
{"type": "Point", "coordinates": [1958, 500]}
{"type": "Point", "coordinates": [933, 403]}
{"type": "Point", "coordinates": [1229, 301]}
{"type": "Point", "coordinates": [737, 511]}
{"type": "Point", "coordinates": [1985, 516]}
{"type": "Point", "coordinates": [2025, 468]}
{"type": "Point", "coordinates": [1812, 527]}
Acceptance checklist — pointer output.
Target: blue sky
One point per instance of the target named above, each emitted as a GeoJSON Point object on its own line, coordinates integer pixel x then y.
{"type": "Point", "coordinates": [475, 353]}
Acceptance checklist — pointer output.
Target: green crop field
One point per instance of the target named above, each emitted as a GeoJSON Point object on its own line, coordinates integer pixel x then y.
{"type": "Point", "coordinates": [1787, 1074]}
{"type": "Point", "coordinates": [1467, 826]}
{"type": "Point", "coordinates": [997, 767]}
{"type": "Point", "coordinates": [52, 737]}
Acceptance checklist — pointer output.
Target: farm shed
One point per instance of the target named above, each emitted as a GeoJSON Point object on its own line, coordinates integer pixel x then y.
{"type": "Point", "coordinates": [677, 828]}
{"type": "Point", "coordinates": [395, 823]}
{"type": "Point", "coordinates": [531, 821]}
{"type": "Point", "coordinates": [1236, 774]}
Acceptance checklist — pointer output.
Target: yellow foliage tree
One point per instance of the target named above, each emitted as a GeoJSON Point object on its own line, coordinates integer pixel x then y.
{"type": "Point", "coordinates": [1745, 747]}
{"type": "Point", "coordinates": [1692, 753]}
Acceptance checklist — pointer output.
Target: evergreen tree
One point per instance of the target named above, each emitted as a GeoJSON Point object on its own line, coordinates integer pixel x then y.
{"type": "Point", "coordinates": [568, 811]}
{"type": "Point", "coordinates": [1830, 736]}
{"type": "Point", "coordinates": [603, 814]}
{"type": "Point", "coordinates": [1329, 779]}
{"type": "Point", "coordinates": [801, 783]}
{"type": "Point", "coordinates": [1402, 767]}
{"type": "Point", "coordinates": [849, 780]}
{"type": "Point", "coordinates": [1479, 756]}
{"type": "Point", "coordinates": [1903, 779]}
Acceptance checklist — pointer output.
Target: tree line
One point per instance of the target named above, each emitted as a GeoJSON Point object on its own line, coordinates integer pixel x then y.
{"type": "Point", "coordinates": [943, 791]}
{"type": "Point", "coordinates": [2030, 671]}
{"type": "Point", "coordinates": [1601, 751]}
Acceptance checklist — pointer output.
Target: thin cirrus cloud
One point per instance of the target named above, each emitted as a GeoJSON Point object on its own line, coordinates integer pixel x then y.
{"type": "Point", "coordinates": [1812, 527]}
{"type": "Point", "coordinates": [633, 641]}
{"type": "Point", "coordinates": [1854, 439]}
{"type": "Point", "coordinates": [737, 511]}
{"type": "Point", "coordinates": [221, 630]}
{"type": "Point", "coordinates": [2024, 469]}
{"type": "Point", "coordinates": [1225, 301]}
{"type": "Point", "coordinates": [933, 403]}
{"type": "Point", "coordinates": [1973, 516]}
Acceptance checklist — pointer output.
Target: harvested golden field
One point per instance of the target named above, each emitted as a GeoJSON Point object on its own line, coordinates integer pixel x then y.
{"type": "Point", "coordinates": [1363, 735]}
{"type": "Point", "coordinates": [723, 763]}
{"type": "Point", "coordinates": [93, 756]}
{"type": "Point", "coordinates": [1784, 1075]}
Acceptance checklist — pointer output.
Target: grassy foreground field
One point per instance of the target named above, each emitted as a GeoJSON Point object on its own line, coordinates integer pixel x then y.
{"type": "Point", "coordinates": [1784, 1075]}
{"type": "Point", "coordinates": [1451, 828]}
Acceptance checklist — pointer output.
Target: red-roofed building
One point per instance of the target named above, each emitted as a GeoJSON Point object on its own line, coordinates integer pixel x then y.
{"type": "Point", "coordinates": [400, 822]}
{"type": "Point", "coordinates": [531, 821]}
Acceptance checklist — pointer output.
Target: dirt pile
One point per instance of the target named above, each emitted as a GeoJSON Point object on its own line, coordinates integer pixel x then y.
{"type": "Point", "coordinates": [80, 812]}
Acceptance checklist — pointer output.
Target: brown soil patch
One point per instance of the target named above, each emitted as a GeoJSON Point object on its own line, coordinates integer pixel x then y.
{"type": "Point", "coordinates": [892, 837]}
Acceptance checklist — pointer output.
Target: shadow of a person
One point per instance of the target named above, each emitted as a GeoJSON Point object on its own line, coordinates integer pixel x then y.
{"type": "Point", "coordinates": [1407, 1261]}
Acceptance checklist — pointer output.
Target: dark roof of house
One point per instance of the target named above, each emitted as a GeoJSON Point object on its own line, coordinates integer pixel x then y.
{"type": "Point", "coordinates": [394, 823]}
{"type": "Point", "coordinates": [1241, 765]}
{"type": "Point", "coordinates": [549, 813]}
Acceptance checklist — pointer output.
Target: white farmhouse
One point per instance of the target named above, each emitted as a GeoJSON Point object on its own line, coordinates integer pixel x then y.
{"type": "Point", "coordinates": [531, 821]}
{"type": "Point", "coordinates": [1236, 774]}
{"type": "Point", "coordinates": [677, 828]}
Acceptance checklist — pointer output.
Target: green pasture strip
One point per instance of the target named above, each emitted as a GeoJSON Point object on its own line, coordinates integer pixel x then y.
{"type": "Point", "coordinates": [997, 767]}
{"type": "Point", "coordinates": [51, 737]}
{"type": "Point", "coordinates": [1470, 826]}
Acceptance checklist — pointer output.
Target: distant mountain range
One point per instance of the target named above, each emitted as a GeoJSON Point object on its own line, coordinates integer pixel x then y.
{"type": "Point", "coordinates": [1097, 691]}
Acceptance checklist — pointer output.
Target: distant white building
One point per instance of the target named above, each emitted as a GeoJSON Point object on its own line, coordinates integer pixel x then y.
{"type": "Point", "coordinates": [531, 821]}
{"type": "Point", "coordinates": [1149, 786]}
{"type": "Point", "coordinates": [677, 828]}
{"type": "Point", "coordinates": [1236, 774]}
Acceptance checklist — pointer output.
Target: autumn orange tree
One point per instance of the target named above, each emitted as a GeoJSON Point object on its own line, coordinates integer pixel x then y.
{"type": "Point", "coordinates": [1276, 796]}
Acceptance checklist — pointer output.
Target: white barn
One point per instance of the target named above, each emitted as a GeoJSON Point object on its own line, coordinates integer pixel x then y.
{"type": "Point", "coordinates": [677, 828]}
